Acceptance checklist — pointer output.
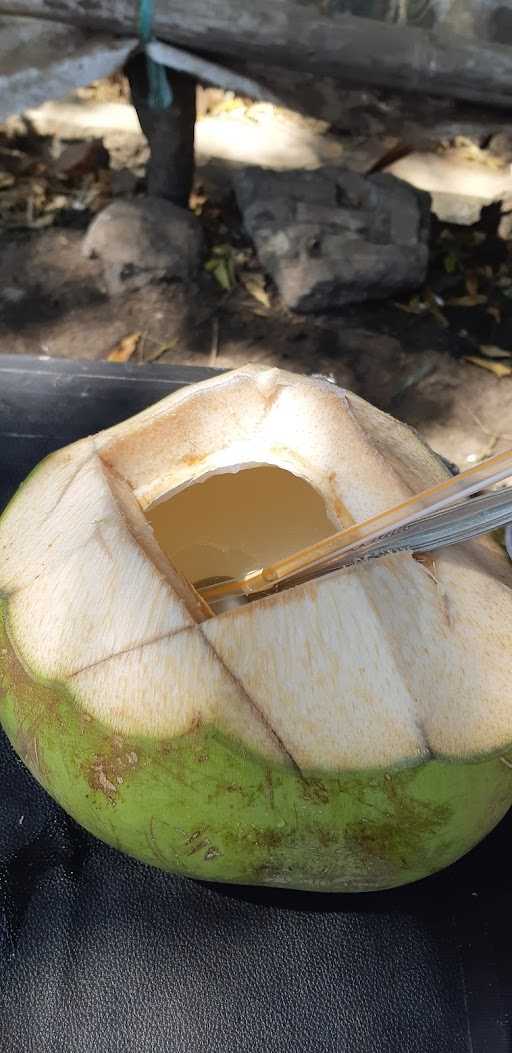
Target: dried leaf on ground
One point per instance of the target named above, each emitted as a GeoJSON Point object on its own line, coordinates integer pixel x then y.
{"type": "Point", "coordinates": [498, 368]}
{"type": "Point", "coordinates": [228, 103]}
{"type": "Point", "coordinates": [170, 345]}
{"type": "Point", "coordinates": [33, 194]}
{"type": "Point", "coordinates": [255, 286]}
{"type": "Point", "coordinates": [414, 306]}
{"type": "Point", "coordinates": [469, 150]}
{"type": "Point", "coordinates": [126, 347]}
{"type": "Point", "coordinates": [471, 300]}
{"type": "Point", "coordinates": [6, 180]}
{"type": "Point", "coordinates": [54, 204]}
{"type": "Point", "coordinates": [491, 351]}
{"type": "Point", "coordinates": [198, 199]}
{"type": "Point", "coordinates": [94, 192]}
{"type": "Point", "coordinates": [495, 313]}
{"type": "Point", "coordinates": [472, 284]}
{"type": "Point", "coordinates": [42, 221]}
{"type": "Point", "coordinates": [435, 310]}
{"type": "Point", "coordinates": [15, 162]}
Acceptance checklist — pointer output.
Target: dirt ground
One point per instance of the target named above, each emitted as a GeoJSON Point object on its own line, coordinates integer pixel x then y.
{"type": "Point", "coordinates": [410, 358]}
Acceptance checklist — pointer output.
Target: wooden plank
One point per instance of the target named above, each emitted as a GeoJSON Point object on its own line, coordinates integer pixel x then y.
{"type": "Point", "coordinates": [42, 60]}
{"type": "Point", "coordinates": [308, 36]}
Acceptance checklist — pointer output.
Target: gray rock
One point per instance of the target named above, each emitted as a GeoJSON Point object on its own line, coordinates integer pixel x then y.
{"type": "Point", "coordinates": [144, 241]}
{"type": "Point", "coordinates": [333, 237]}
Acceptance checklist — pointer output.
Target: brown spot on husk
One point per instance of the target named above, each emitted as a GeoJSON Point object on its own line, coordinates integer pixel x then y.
{"type": "Point", "coordinates": [315, 790]}
{"type": "Point", "coordinates": [326, 838]}
{"type": "Point", "coordinates": [193, 838]}
{"type": "Point", "coordinates": [264, 837]}
{"type": "Point", "coordinates": [106, 772]}
{"type": "Point", "coordinates": [396, 839]}
{"type": "Point", "coordinates": [197, 846]}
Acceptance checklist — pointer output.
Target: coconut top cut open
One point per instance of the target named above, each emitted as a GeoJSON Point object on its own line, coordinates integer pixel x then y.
{"type": "Point", "coordinates": [380, 664]}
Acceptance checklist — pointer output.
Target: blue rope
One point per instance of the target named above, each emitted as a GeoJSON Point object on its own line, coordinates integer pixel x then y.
{"type": "Point", "coordinates": [159, 89]}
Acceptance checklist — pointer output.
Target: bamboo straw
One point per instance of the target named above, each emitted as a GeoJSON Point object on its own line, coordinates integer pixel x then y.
{"type": "Point", "coordinates": [328, 552]}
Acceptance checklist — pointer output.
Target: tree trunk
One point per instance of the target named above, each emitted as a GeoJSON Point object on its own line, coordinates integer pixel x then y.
{"type": "Point", "coordinates": [409, 45]}
{"type": "Point", "coordinates": [170, 133]}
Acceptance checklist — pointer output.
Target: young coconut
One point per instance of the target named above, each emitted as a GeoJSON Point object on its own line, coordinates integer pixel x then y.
{"type": "Point", "coordinates": [349, 733]}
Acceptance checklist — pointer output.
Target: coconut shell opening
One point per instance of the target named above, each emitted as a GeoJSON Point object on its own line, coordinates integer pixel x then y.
{"type": "Point", "coordinates": [232, 523]}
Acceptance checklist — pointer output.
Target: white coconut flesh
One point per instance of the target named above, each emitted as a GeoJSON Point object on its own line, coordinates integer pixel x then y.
{"type": "Point", "coordinates": [382, 664]}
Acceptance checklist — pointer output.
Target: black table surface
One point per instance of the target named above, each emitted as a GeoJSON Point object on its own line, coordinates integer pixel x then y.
{"type": "Point", "coordinates": [100, 954]}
